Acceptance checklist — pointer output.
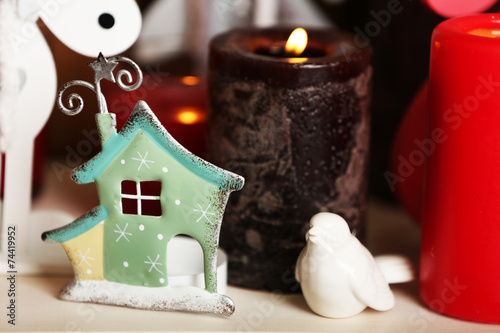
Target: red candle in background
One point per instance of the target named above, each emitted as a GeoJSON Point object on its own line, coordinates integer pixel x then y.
{"type": "Point", "coordinates": [460, 253]}
{"type": "Point", "coordinates": [180, 103]}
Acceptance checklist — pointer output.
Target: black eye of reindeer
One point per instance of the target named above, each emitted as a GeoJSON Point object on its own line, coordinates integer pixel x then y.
{"type": "Point", "coordinates": [107, 21]}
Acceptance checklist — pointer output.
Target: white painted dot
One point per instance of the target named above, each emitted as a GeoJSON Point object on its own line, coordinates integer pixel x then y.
{"type": "Point", "coordinates": [89, 271]}
{"type": "Point", "coordinates": [165, 170]}
{"type": "Point", "coordinates": [177, 202]}
{"type": "Point", "coordinates": [160, 236]}
{"type": "Point", "coordinates": [141, 227]}
{"type": "Point", "coordinates": [162, 280]}
{"type": "Point", "coordinates": [123, 161]}
{"type": "Point", "coordinates": [125, 264]}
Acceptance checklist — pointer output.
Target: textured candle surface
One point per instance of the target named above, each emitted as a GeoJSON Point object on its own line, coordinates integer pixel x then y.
{"type": "Point", "coordinates": [299, 134]}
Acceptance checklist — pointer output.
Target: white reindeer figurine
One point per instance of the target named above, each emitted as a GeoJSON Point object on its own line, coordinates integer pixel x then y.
{"type": "Point", "coordinates": [28, 86]}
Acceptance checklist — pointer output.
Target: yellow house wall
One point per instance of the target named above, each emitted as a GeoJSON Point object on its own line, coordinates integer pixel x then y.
{"type": "Point", "coordinates": [85, 254]}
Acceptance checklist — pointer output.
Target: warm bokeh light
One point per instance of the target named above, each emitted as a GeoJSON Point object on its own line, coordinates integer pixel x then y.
{"type": "Point", "coordinates": [189, 115]}
{"type": "Point", "coordinates": [492, 33]}
{"type": "Point", "coordinates": [190, 80]}
{"type": "Point", "coordinates": [297, 42]}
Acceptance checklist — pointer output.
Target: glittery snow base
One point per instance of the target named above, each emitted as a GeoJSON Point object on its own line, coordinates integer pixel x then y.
{"type": "Point", "coordinates": [184, 298]}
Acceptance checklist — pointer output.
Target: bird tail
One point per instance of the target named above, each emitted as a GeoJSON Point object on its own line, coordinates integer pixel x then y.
{"type": "Point", "coordinates": [395, 268]}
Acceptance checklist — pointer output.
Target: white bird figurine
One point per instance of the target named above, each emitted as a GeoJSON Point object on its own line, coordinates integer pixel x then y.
{"type": "Point", "coordinates": [338, 275]}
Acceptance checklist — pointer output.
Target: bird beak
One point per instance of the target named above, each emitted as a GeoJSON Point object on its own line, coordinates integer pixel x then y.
{"type": "Point", "coordinates": [312, 233]}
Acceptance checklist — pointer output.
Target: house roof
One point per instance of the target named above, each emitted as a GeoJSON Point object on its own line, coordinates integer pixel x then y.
{"type": "Point", "coordinates": [142, 118]}
{"type": "Point", "coordinates": [77, 227]}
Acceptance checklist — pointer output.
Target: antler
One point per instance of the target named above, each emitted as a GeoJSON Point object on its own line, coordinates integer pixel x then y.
{"type": "Point", "coordinates": [28, 8]}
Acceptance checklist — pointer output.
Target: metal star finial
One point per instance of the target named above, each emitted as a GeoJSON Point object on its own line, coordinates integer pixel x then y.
{"type": "Point", "coordinates": [103, 68]}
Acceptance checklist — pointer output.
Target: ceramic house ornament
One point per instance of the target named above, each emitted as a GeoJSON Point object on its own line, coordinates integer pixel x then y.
{"type": "Point", "coordinates": [150, 189]}
{"type": "Point", "coordinates": [338, 275]}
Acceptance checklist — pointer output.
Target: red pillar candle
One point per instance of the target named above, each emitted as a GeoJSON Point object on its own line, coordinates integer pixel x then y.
{"type": "Point", "coordinates": [460, 253]}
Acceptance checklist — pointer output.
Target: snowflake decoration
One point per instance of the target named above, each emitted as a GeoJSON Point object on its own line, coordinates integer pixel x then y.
{"type": "Point", "coordinates": [122, 233]}
{"type": "Point", "coordinates": [204, 213]}
{"type": "Point", "coordinates": [84, 258]}
{"type": "Point", "coordinates": [143, 160]}
{"type": "Point", "coordinates": [153, 264]}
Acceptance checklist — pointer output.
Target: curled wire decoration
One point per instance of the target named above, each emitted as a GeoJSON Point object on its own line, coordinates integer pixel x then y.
{"type": "Point", "coordinates": [74, 100]}
{"type": "Point", "coordinates": [123, 73]}
{"type": "Point", "coordinates": [103, 70]}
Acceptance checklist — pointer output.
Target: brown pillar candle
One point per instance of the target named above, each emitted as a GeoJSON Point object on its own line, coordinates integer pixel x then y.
{"type": "Point", "coordinates": [297, 129]}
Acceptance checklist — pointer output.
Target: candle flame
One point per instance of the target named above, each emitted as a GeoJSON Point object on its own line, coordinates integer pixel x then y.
{"type": "Point", "coordinates": [297, 42]}
{"type": "Point", "coordinates": [297, 60]}
{"type": "Point", "coordinates": [189, 115]}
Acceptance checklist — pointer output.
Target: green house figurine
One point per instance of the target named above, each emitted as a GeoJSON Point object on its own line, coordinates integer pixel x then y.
{"type": "Point", "coordinates": [150, 189]}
